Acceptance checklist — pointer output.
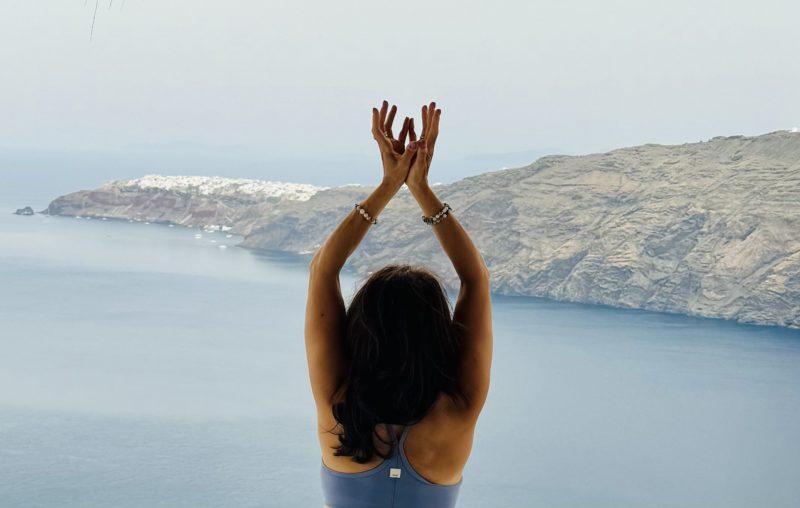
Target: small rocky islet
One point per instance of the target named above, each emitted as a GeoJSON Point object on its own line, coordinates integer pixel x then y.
{"type": "Point", "coordinates": [24, 211]}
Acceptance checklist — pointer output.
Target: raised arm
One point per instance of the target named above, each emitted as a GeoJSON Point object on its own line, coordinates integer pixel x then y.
{"type": "Point", "coordinates": [325, 311]}
{"type": "Point", "coordinates": [473, 308]}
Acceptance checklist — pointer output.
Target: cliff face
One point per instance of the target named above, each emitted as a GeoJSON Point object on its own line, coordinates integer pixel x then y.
{"type": "Point", "coordinates": [709, 228]}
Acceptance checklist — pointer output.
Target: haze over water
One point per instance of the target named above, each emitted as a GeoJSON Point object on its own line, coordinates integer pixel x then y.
{"type": "Point", "coordinates": [142, 366]}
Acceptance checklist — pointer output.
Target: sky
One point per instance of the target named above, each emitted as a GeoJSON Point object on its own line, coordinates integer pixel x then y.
{"type": "Point", "coordinates": [255, 85]}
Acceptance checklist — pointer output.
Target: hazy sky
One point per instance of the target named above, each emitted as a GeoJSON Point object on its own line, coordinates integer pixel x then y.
{"type": "Point", "coordinates": [299, 78]}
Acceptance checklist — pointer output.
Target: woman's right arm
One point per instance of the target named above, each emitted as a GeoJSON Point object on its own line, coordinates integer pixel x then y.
{"type": "Point", "coordinates": [473, 309]}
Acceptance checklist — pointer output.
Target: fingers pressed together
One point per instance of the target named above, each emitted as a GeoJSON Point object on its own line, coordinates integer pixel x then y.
{"type": "Point", "coordinates": [383, 119]}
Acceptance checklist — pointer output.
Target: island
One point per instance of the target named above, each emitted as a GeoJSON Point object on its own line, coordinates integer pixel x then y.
{"type": "Point", "coordinates": [24, 211]}
{"type": "Point", "coordinates": [709, 228]}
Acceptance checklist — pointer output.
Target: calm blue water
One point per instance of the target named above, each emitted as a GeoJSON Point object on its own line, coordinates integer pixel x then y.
{"type": "Point", "coordinates": [140, 366]}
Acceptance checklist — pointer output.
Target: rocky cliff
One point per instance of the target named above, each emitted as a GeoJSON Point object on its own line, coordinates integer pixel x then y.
{"type": "Point", "coordinates": [709, 228]}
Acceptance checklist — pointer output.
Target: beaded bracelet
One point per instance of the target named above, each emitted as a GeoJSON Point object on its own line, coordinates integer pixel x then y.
{"type": "Point", "coordinates": [365, 214]}
{"type": "Point", "coordinates": [439, 217]}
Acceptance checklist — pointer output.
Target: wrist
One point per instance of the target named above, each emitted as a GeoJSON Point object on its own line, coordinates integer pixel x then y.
{"type": "Point", "coordinates": [390, 185]}
{"type": "Point", "coordinates": [417, 186]}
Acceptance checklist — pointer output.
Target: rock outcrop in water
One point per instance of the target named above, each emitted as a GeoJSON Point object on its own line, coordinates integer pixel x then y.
{"type": "Point", "coordinates": [709, 229]}
{"type": "Point", "coordinates": [24, 211]}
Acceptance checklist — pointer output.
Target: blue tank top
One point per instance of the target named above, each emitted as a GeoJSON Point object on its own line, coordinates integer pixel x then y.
{"type": "Point", "coordinates": [391, 484]}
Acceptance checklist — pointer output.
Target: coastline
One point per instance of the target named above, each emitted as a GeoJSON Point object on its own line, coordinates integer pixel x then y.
{"type": "Point", "coordinates": [302, 259]}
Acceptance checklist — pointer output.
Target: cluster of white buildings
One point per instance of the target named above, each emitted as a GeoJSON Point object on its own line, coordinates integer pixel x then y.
{"type": "Point", "coordinates": [219, 186]}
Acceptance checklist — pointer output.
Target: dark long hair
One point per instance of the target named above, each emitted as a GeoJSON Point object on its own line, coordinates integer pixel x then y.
{"type": "Point", "coordinates": [402, 348]}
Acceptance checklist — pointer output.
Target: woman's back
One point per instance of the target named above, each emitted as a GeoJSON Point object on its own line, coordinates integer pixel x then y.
{"type": "Point", "coordinates": [437, 447]}
{"type": "Point", "coordinates": [424, 469]}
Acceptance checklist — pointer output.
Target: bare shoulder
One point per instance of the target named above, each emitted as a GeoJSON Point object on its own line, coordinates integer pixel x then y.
{"type": "Point", "coordinates": [440, 444]}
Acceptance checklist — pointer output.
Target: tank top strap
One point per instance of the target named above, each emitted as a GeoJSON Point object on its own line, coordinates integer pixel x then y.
{"type": "Point", "coordinates": [397, 446]}
{"type": "Point", "coordinates": [403, 436]}
{"type": "Point", "coordinates": [394, 440]}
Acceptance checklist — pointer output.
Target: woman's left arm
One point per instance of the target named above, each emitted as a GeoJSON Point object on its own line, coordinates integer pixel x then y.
{"type": "Point", "coordinates": [325, 311]}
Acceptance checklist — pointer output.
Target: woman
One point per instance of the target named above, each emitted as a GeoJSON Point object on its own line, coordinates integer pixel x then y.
{"type": "Point", "coordinates": [398, 381]}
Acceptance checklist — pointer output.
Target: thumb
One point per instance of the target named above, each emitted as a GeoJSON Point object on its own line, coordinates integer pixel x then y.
{"type": "Point", "coordinates": [422, 152]}
{"type": "Point", "coordinates": [409, 152]}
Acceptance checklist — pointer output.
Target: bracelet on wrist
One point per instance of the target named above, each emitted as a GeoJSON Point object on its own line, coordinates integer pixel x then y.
{"type": "Point", "coordinates": [438, 217]}
{"type": "Point", "coordinates": [366, 215]}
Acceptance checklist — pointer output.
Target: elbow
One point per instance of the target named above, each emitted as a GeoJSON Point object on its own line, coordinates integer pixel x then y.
{"type": "Point", "coordinates": [486, 276]}
{"type": "Point", "coordinates": [482, 277]}
{"type": "Point", "coordinates": [483, 272]}
{"type": "Point", "coordinates": [316, 258]}
{"type": "Point", "coordinates": [322, 267]}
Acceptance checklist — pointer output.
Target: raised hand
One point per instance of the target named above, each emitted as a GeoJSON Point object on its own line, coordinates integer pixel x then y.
{"type": "Point", "coordinates": [396, 159]}
{"type": "Point", "coordinates": [418, 174]}
{"type": "Point", "coordinates": [386, 120]}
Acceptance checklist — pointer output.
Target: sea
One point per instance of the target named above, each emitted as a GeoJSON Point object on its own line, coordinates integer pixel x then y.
{"type": "Point", "coordinates": [143, 365]}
